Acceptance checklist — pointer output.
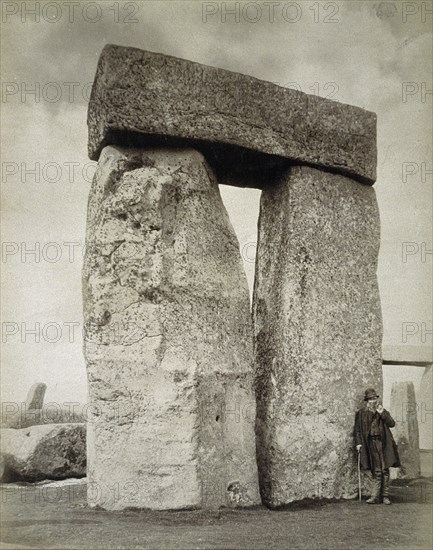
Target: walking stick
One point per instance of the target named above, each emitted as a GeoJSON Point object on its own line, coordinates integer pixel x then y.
{"type": "Point", "coordinates": [359, 474]}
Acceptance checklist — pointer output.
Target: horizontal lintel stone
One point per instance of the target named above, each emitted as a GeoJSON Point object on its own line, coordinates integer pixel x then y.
{"type": "Point", "coordinates": [144, 98]}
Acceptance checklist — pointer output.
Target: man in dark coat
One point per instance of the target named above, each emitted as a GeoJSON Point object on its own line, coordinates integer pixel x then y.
{"type": "Point", "coordinates": [376, 445]}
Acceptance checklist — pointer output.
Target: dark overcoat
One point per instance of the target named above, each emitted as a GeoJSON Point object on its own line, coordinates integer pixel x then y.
{"type": "Point", "coordinates": [362, 429]}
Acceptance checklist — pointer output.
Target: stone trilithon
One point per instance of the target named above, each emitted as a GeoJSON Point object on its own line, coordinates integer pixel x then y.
{"type": "Point", "coordinates": [175, 363]}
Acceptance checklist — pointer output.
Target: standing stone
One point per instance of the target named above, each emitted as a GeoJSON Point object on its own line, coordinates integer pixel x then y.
{"type": "Point", "coordinates": [27, 413]}
{"type": "Point", "coordinates": [168, 340]}
{"type": "Point", "coordinates": [425, 409]}
{"type": "Point", "coordinates": [403, 409]}
{"type": "Point", "coordinates": [35, 397]}
{"type": "Point", "coordinates": [318, 331]}
{"type": "Point", "coordinates": [32, 412]}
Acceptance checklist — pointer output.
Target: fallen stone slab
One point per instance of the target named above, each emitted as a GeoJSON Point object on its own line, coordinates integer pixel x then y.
{"type": "Point", "coordinates": [52, 451]}
{"type": "Point", "coordinates": [403, 409]}
{"type": "Point", "coordinates": [168, 337]}
{"type": "Point", "coordinates": [318, 331]}
{"type": "Point", "coordinates": [241, 123]}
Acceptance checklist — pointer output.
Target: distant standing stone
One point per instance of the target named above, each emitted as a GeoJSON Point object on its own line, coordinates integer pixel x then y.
{"type": "Point", "coordinates": [425, 408]}
{"type": "Point", "coordinates": [32, 412]}
{"type": "Point", "coordinates": [35, 397]}
{"type": "Point", "coordinates": [403, 408]}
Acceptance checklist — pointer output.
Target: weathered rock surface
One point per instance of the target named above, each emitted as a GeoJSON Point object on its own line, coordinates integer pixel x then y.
{"type": "Point", "coordinates": [403, 409]}
{"type": "Point", "coordinates": [168, 341]}
{"type": "Point", "coordinates": [140, 97]}
{"type": "Point", "coordinates": [52, 451]}
{"type": "Point", "coordinates": [318, 331]}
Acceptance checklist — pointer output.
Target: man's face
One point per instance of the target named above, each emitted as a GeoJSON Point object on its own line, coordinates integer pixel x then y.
{"type": "Point", "coordinates": [372, 403]}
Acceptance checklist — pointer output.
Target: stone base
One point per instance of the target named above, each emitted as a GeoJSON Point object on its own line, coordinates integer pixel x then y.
{"type": "Point", "coordinates": [168, 341]}
{"type": "Point", "coordinates": [318, 331]}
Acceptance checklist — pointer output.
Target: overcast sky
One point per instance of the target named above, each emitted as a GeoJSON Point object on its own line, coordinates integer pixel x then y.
{"type": "Point", "coordinates": [358, 52]}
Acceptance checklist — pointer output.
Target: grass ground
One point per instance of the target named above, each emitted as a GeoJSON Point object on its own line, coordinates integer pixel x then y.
{"type": "Point", "coordinates": [56, 516]}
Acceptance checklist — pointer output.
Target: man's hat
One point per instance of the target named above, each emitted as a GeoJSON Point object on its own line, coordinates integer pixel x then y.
{"type": "Point", "coordinates": [370, 394]}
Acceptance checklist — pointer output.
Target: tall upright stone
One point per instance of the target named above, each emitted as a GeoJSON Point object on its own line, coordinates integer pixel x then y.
{"type": "Point", "coordinates": [168, 340]}
{"type": "Point", "coordinates": [27, 413]}
{"type": "Point", "coordinates": [425, 409]}
{"type": "Point", "coordinates": [403, 409]}
{"type": "Point", "coordinates": [318, 331]}
{"type": "Point", "coordinates": [35, 396]}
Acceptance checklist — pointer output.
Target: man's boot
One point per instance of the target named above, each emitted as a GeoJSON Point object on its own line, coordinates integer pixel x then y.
{"type": "Point", "coordinates": [385, 487]}
{"type": "Point", "coordinates": [375, 489]}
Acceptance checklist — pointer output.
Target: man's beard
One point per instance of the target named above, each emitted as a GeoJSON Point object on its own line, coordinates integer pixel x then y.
{"type": "Point", "coordinates": [372, 406]}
